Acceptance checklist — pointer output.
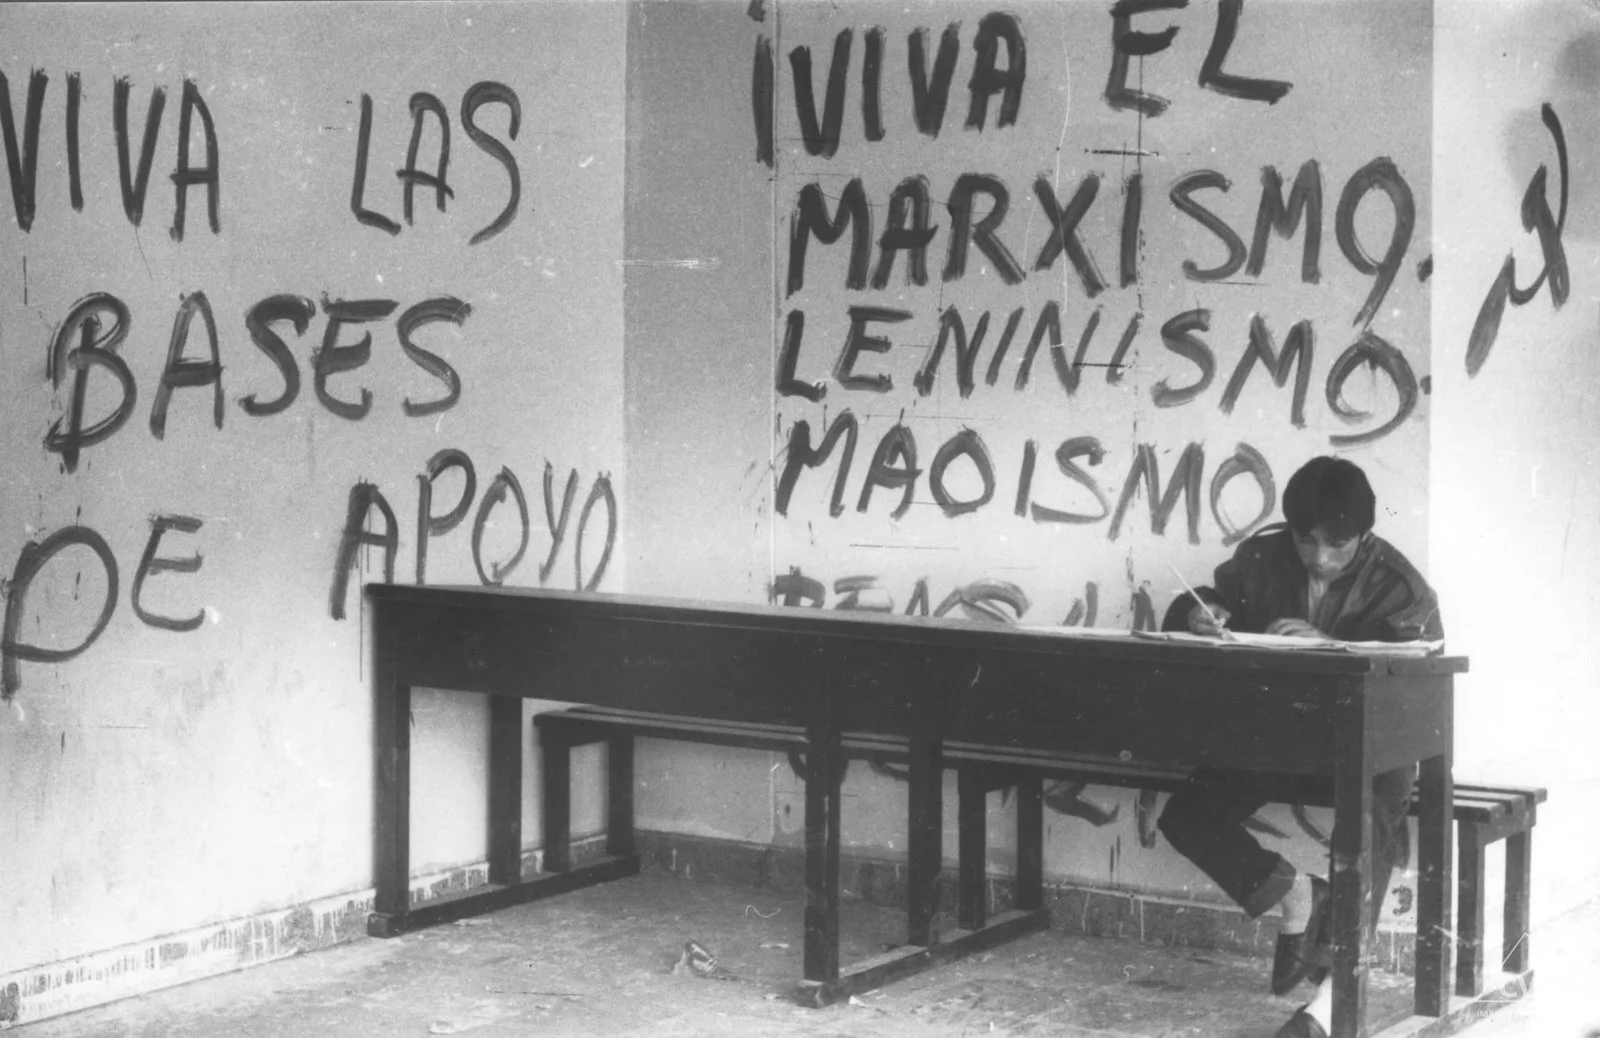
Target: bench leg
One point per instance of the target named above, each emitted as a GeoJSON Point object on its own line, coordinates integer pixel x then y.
{"type": "Point", "coordinates": [822, 853]}
{"type": "Point", "coordinates": [1469, 946]}
{"type": "Point", "coordinates": [505, 789]}
{"type": "Point", "coordinates": [1030, 841]}
{"type": "Point", "coordinates": [924, 851]}
{"type": "Point", "coordinates": [971, 814]}
{"type": "Point", "coordinates": [619, 795]}
{"type": "Point", "coordinates": [556, 802]}
{"type": "Point", "coordinates": [1519, 872]}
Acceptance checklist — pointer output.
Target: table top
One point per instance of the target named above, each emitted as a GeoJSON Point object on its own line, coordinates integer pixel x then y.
{"type": "Point", "coordinates": [948, 631]}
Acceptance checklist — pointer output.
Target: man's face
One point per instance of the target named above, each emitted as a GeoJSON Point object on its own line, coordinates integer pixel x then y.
{"type": "Point", "coordinates": [1322, 555]}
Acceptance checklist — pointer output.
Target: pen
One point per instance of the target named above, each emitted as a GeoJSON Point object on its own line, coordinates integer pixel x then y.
{"type": "Point", "coordinates": [1222, 631]}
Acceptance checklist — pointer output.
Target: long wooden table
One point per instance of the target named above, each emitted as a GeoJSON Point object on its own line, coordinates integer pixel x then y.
{"type": "Point", "coordinates": [1340, 716]}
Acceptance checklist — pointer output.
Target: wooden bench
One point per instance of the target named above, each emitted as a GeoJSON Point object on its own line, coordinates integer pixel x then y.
{"type": "Point", "coordinates": [1484, 814]}
{"type": "Point", "coordinates": [1494, 813]}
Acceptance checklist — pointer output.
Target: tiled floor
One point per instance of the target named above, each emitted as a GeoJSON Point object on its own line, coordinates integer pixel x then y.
{"type": "Point", "coordinates": [599, 962]}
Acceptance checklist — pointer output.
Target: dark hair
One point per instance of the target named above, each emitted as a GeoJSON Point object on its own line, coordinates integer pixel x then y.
{"type": "Point", "coordinates": [1329, 492]}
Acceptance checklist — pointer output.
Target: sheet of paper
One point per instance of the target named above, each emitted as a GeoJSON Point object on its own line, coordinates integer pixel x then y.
{"type": "Point", "coordinates": [1418, 648]}
{"type": "Point", "coordinates": [1075, 632]}
{"type": "Point", "coordinates": [1293, 644]}
{"type": "Point", "coordinates": [1282, 641]}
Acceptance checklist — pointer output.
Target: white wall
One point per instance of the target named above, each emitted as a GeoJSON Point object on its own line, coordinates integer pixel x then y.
{"type": "Point", "coordinates": [1515, 508]}
{"type": "Point", "coordinates": [161, 780]}
{"type": "Point", "coordinates": [1339, 65]}
{"type": "Point", "coordinates": [1360, 93]}
{"type": "Point", "coordinates": [628, 323]}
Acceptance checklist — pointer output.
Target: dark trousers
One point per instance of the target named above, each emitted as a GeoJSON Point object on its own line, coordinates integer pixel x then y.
{"type": "Point", "coordinates": [1205, 822]}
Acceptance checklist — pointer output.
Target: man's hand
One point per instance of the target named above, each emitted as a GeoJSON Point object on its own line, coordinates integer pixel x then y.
{"type": "Point", "coordinates": [1202, 622]}
{"type": "Point", "coordinates": [1290, 628]}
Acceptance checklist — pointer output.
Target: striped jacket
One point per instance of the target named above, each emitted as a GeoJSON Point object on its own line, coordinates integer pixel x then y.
{"type": "Point", "coordinates": [1380, 597]}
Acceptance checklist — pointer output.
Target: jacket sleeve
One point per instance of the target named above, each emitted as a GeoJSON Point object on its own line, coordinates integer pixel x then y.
{"type": "Point", "coordinates": [1417, 620]}
{"type": "Point", "coordinates": [1225, 594]}
{"type": "Point", "coordinates": [1228, 585]}
{"type": "Point", "coordinates": [1403, 607]}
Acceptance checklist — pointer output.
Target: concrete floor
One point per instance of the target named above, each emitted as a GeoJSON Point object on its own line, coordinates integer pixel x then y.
{"type": "Point", "coordinates": [1565, 1001]}
{"type": "Point", "coordinates": [599, 962]}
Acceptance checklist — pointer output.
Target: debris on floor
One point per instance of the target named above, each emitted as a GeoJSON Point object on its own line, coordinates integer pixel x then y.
{"type": "Point", "coordinates": [620, 959]}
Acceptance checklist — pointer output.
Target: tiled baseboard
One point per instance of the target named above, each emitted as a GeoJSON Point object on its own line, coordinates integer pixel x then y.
{"type": "Point", "coordinates": [49, 990]}
{"type": "Point", "coordinates": [53, 989]}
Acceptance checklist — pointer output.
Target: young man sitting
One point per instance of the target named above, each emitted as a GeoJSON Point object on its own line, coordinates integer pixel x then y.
{"type": "Point", "coordinates": [1322, 573]}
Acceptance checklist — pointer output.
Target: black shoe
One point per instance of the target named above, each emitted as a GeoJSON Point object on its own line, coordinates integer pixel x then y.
{"type": "Point", "coordinates": [1301, 1025]}
{"type": "Point", "coordinates": [1296, 955]}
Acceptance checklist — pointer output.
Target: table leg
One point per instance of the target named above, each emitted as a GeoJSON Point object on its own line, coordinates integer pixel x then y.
{"type": "Point", "coordinates": [1352, 887]}
{"type": "Point", "coordinates": [1436, 795]}
{"type": "Point", "coordinates": [391, 851]}
{"type": "Point", "coordinates": [824, 778]}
